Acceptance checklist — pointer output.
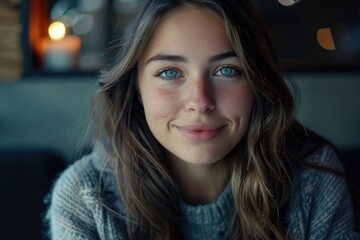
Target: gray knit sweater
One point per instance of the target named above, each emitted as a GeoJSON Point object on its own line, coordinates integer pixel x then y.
{"type": "Point", "coordinates": [319, 207]}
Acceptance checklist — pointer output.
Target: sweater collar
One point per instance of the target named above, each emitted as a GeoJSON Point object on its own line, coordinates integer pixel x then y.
{"type": "Point", "coordinates": [210, 213]}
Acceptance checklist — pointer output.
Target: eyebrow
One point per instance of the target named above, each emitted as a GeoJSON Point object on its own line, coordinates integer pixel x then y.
{"type": "Point", "coordinates": [165, 57]}
{"type": "Point", "coordinates": [223, 56]}
{"type": "Point", "coordinates": [179, 58]}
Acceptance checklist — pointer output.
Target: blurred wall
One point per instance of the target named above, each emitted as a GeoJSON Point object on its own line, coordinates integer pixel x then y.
{"type": "Point", "coordinates": [46, 113]}
{"type": "Point", "coordinates": [329, 103]}
{"type": "Point", "coordinates": [54, 113]}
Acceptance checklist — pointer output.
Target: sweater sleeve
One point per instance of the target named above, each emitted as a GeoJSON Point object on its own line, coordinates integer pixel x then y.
{"type": "Point", "coordinates": [328, 202]}
{"type": "Point", "coordinates": [69, 216]}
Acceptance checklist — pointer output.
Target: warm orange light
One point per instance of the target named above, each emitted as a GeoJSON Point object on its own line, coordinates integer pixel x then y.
{"type": "Point", "coordinates": [325, 38]}
{"type": "Point", "coordinates": [57, 31]}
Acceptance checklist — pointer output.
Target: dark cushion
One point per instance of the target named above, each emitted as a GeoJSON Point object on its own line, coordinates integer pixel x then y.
{"type": "Point", "coordinates": [26, 176]}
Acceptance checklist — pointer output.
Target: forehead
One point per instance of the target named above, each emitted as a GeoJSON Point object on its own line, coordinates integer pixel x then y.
{"type": "Point", "coordinates": [189, 28]}
{"type": "Point", "coordinates": [191, 15]}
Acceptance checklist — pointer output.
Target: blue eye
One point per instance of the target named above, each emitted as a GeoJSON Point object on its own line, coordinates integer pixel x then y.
{"type": "Point", "coordinates": [227, 72]}
{"type": "Point", "coordinates": [169, 74]}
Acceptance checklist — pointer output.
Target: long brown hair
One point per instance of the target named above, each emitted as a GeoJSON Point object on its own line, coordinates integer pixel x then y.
{"type": "Point", "coordinates": [260, 182]}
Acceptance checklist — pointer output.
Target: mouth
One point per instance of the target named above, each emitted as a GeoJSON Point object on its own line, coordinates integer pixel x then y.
{"type": "Point", "coordinates": [200, 132]}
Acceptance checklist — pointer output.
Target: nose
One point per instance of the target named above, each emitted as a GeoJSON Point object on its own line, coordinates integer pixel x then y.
{"type": "Point", "coordinates": [200, 96]}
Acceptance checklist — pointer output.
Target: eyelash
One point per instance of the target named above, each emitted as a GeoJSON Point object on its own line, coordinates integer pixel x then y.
{"type": "Point", "coordinates": [237, 71]}
{"type": "Point", "coordinates": [163, 70]}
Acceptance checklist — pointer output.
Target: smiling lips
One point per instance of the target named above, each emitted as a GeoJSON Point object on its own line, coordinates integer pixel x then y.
{"type": "Point", "coordinates": [200, 133]}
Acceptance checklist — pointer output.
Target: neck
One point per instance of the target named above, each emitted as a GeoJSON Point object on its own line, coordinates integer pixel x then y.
{"type": "Point", "coordinates": [202, 183]}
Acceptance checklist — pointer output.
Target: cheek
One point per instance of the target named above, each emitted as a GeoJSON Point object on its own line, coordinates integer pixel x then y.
{"type": "Point", "coordinates": [238, 101]}
{"type": "Point", "coordinates": [157, 104]}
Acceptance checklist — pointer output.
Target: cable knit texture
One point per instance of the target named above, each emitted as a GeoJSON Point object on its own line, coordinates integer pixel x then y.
{"type": "Point", "coordinates": [85, 205]}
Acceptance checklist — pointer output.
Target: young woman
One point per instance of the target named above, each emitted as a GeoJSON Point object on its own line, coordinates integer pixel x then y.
{"type": "Point", "coordinates": [197, 140]}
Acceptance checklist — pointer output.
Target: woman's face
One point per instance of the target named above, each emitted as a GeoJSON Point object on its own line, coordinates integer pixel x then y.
{"type": "Point", "coordinates": [197, 102]}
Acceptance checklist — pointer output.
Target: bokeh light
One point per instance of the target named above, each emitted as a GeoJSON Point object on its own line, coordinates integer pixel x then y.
{"type": "Point", "coordinates": [57, 31]}
{"type": "Point", "coordinates": [325, 38]}
{"type": "Point", "coordinates": [287, 2]}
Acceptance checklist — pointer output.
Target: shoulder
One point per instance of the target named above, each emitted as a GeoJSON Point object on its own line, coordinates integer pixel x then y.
{"type": "Point", "coordinates": [321, 171]}
{"type": "Point", "coordinates": [68, 216]}
{"type": "Point", "coordinates": [320, 204]}
{"type": "Point", "coordinates": [325, 156]}
{"type": "Point", "coordinates": [87, 180]}
{"type": "Point", "coordinates": [76, 208]}
{"type": "Point", "coordinates": [322, 163]}
{"type": "Point", "coordinates": [75, 190]}
{"type": "Point", "coordinates": [79, 177]}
